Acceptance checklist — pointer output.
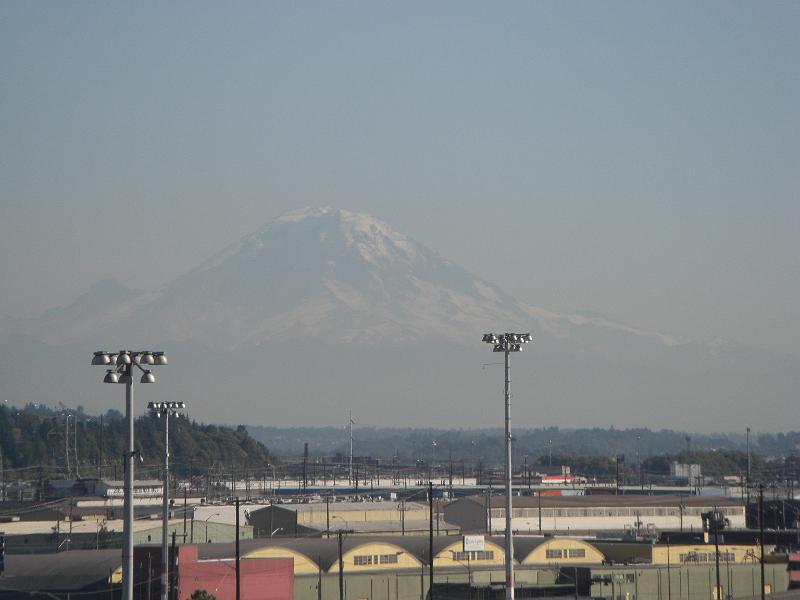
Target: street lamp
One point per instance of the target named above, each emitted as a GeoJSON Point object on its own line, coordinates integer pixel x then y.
{"type": "Point", "coordinates": [508, 343]}
{"type": "Point", "coordinates": [121, 370]}
{"type": "Point", "coordinates": [167, 410]}
{"type": "Point", "coordinates": [216, 514]}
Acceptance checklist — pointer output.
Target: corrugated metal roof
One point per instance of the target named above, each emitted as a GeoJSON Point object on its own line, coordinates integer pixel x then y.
{"type": "Point", "coordinates": [76, 569]}
{"type": "Point", "coordinates": [325, 551]}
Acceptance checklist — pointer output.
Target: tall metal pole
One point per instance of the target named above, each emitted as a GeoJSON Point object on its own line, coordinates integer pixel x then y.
{"type": "Point", "coordinates": [341, 568]}
{"type": "Point", "coordinates": [748, 455]}
{"type": "Point", "coordinates": [125, 361]}
{"type": "Point", "coordinates": [716, 551]}
{"type": "Point", "coordinates": [165, 513]}
{"type": "Point", "coordinates": [350, 423]}
{"type": "Point", "coordinates": [127, 527]}
{"type": "Point", "coordinates": [238, 556]}
{"type": "Point", "coordinates": [539, 498]}
{"type": "Point", "coordinates": [507, 343]}
{"type": "Point", "coordinates": [747, 481]}
{"type": "Point", "coordinates": [430, 539]}
{"type": "Point", "coordinates": [66, 444]}
{"type": "Point", "coordinates": [761, 533]}
{"type": "Point", "coordinates": [669, 575]}
{"type": "Point", "coordinates": [509, 514]}
{"type": "Point", "coordinates": [75, 447]}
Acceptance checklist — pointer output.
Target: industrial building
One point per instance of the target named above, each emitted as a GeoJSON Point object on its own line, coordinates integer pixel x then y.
{"type": "Point", "coordinates": [396, 567]}
{"type": "Point", "coordinates": [26, 537]}
{"type": "Point", "coordinates": [372, 518]}
{"type": "Point", "coordinates": [590, 514]}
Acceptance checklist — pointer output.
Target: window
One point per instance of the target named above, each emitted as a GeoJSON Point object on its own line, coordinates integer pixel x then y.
{"type": "Point", "coordinates": [577, 553]}
{"type": "Point", "coordinates": [362, 560]}
{"type": "Point", "coordinates": [388, 559]}
{"type": "Point", "coordinates": [470, 556]}
{"type": "Point", "coordinates": [553, 553]}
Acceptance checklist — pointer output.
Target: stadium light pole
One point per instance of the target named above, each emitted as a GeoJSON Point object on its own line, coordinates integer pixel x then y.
{"type": "Point", "coordinates": [122, 365]}
{"type": "Point", "coordinates": [508, 343]}
{"type": "Point", "coordinates": [167, 410]}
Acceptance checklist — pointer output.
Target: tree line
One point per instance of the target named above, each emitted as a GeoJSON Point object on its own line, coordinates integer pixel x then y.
{"type": "Point", "coordinates": [36, 441]}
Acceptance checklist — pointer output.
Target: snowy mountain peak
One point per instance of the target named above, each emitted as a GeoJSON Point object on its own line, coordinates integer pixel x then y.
{"type": "Point", "coordinates": [374, 239]}
{"type": "Point", "coordinates": [322, 272]}
{"type": "Point", "coordinates": [327, 233]}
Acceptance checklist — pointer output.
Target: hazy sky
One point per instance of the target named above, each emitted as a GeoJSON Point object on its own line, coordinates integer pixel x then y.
{"type": "Point", "coordinates": [638, 159]}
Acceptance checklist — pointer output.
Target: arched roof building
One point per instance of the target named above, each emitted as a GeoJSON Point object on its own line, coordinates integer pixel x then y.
{"type": "Point", "coordinates": [555, 551]}
{"type": "Point", "coordinates": [375, 553]}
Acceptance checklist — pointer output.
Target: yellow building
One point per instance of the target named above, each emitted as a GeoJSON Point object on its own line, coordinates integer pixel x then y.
{"type": "Point", "coordinates": [399, 553]}
{"type": "Point", "coordinates": [698, 554]}
{"type": "Point", "coordinates": [556, 551]}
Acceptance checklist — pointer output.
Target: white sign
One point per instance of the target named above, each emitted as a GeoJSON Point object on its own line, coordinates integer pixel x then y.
{"type": "Point", "coordinates": [473, 543]}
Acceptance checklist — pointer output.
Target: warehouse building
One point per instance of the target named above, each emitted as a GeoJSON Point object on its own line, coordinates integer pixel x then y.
{"type": "Point", "coordinates": [25, 537]}
{"type": "Point", "coordinates": [591, 514]}
{"type": "Point", "coordinates": [368, 518]}
{"type": "Point", "coordinates": [396, 567]}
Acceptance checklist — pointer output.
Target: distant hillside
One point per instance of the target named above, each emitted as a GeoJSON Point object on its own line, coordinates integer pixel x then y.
{"type": "Point", "coordinates": [33, 444]}
{"type": "Point", "coordinates": [587, 449]}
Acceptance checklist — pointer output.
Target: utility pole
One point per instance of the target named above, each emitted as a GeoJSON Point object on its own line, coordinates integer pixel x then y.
{"type": "Point", "coordinates": [747, 480]}
{"type": "Point", "coordinates": [102, 444]}
{"type": "Point", "coordinates": [341, 568]}
{"type": "Point", "coordinates": [451, 472]}
{"type": "Point", "coordinates": [669, 576]}
{"type": "Point", "coordinates": [716, 522]}
{"type": "Point", "coordinates": [639, 461]}
{"type": "Point", "coordinates": [75, 436]}
{"type": "Point", "coordinates": [173, 582]}
{"type": "Point", "coordinates": [305, 466]}
{"type": "Point", "coordinates": [328, 515]}
{"type": "Point", "coordinates": [66, 442]}
{"type": "Point", "coordinates": [539, 497]}
{"type": "Point", "coordinates": [747, 437]}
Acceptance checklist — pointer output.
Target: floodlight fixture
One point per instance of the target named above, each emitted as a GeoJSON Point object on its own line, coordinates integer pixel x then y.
{"type": "Point", "coordinates": [123, 363]}
{"type": "Point", "coordinates": [100, 359]}
{"type": "Point", "coordinates": [508, 343]}
{"type": "Point", "coordinates": [165, 409]}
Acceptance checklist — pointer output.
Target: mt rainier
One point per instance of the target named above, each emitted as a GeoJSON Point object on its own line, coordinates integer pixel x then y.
{"type": "Point", "coordinates": [322, 310]}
